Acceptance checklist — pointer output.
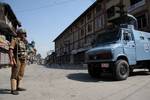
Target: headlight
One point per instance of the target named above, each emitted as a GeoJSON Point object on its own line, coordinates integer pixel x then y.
{"type": "Point", "coordinates": [101, 56]}
{"type": "Point", "coordinates": [105, 55]}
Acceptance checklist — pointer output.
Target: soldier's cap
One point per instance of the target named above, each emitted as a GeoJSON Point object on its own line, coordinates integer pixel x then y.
{"type": "Point", "coordinates": [21, 31]}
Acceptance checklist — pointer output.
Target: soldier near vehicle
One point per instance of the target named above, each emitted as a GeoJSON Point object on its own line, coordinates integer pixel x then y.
{"type": "Point", "coordinates": [18, 60]}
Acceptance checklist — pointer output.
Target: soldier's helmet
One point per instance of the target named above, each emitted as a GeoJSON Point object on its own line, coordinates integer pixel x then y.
{"type": "Point", "coordinates": [22, 31]}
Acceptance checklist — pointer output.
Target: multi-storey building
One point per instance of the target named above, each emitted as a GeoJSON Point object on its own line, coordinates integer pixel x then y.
{"type": "Point", "coordinates": [139, 8]}
{"type": "Point", "coordinates": [75, 40]}
{"type": "Point", "coordinates": [8, 27]}
{"type": "Point", "coordinates": [72, 43]}
{"type": "Point", "coordinates": [8, 20]}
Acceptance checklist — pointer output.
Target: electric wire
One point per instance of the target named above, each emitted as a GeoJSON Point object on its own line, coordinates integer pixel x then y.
{"type": "Point", "coordinates": [44, 6]}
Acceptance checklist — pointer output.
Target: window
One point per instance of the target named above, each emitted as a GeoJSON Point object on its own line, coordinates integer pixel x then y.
{"type": "Point", "coordinates": [111, 12]}
{"type": "Point", "coordinates": [79, 44]}
{"type": "Point", "coordinates": [99, 22]}
{"type": "Point", "coordinates": [127, 36]}
{"type": "Point", "coordinates": [82, 43]}
{"type": "Point", "coordinates": [89, 28]}
{"type": "Point", "coordinates": [76, 36]}
{"type": "Point", "coordinates": [82, 32]}
{"type": "Point", "coordinates": [81, 22]}
{"type": "Point", "coordinates": [89, 16]}
{"type": "Point", "coordinates": [98, 9]}
{"type": "Point", "coordinates": [142, 21]}
{"type": "Point", "coordinates": [88, 40]}
{"type": "Point", "coordinates": [71, 38]}
{"type": "Point", "coordinates": [71, 47]}
{"type": "Point", "coordinates": [76, 45]}
{"type": "Point", "coordinates": [134, 1]}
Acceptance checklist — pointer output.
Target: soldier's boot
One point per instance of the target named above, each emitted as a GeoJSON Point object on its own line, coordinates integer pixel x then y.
{"type": "Point", "coordinates": [18, 86]}
{"type": "Point", "coordinates": [13, 87]}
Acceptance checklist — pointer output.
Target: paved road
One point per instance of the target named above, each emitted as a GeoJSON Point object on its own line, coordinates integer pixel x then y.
{"type": "Point", "coordinates": [74, 84]}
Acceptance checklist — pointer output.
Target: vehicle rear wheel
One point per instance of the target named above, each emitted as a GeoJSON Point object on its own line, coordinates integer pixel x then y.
{"type": "Point", "coordinates": [121, 70]}
{"type": "Point", "coordinates": [94, 71]}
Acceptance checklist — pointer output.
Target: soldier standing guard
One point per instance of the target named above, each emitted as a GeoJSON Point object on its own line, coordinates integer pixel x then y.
{"type": "Point", "coordinates": [18, 60]}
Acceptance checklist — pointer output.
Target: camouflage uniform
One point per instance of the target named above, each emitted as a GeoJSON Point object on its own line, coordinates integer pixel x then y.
{"type": "Point", "coordinates": [18, 47]}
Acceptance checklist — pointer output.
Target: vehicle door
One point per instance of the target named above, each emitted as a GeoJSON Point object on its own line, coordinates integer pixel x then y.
{"type": "Point", "coordinates": [129, 46]}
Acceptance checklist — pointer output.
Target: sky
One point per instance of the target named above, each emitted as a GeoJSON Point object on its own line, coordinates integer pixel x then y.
{"type": "Point", "coordinates": [44, 20]}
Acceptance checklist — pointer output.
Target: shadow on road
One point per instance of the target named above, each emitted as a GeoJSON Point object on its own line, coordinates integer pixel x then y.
{"type": "Point", "coordinates": [84, 77]}
{"type": "Point", "coordinates": [66, 67]}
{"type": "Point", "coordinates": [5, 91]}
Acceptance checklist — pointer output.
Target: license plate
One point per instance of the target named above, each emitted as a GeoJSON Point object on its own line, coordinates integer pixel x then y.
{"type": "Point", "coordinates": [104, 65]}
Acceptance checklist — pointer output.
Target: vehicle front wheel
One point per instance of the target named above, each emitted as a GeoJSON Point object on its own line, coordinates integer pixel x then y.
{"type": "Point", "coordinates": [121, 70]}
{"type": "Point", "coordinates": [94, 71]}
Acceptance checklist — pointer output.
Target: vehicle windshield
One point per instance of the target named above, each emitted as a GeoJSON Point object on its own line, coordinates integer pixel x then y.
{"type": "Point", "coordinates": [108, 37]}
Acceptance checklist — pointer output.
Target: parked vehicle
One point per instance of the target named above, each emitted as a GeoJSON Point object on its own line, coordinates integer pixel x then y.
{"type": "Point", "coordinates": [119, 51]}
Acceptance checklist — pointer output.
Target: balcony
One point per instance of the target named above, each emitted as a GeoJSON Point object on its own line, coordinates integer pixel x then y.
{"type": "Point", "coordinates": [7, 28]}
{"type": "Point", "coordinates": [137, 5]}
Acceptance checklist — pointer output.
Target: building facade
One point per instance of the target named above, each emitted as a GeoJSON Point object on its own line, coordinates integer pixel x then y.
{"type": "Point", "coordinates": [8, 27]}
{"type": "Point", "coordinates": [74, 41]}
{"type": "Point", "coordinates": [139, 8]}
{"type": "Point", "coordinates": [70, 45]}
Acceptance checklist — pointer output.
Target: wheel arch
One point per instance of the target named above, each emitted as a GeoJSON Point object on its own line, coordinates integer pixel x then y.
{"type": "Point", "coordinates": [122, 57]}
